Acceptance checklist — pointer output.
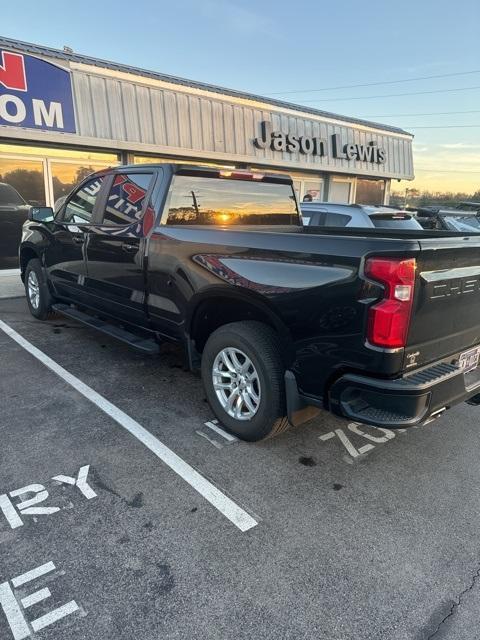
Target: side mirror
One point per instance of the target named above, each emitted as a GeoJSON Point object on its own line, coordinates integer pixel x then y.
{"type": "Point", "coordinates": [40, 214]}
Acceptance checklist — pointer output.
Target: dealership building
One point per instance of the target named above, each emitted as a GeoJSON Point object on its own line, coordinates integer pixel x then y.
{"type": "Point", "coordinates": [64, 115]}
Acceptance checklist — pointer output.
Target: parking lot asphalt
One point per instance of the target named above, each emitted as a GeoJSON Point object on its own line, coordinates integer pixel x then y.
{"type": "Point", "coordinates": [353, 533]}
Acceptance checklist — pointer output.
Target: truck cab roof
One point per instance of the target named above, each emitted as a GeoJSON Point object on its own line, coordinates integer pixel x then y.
{"type": "Point", "coordinates": [205, 170]}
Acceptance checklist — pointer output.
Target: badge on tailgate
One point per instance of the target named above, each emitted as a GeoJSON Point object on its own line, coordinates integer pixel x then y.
{"type": "Point", "coordinates": [469, 359]}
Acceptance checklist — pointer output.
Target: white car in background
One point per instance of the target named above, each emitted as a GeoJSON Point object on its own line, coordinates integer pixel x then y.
{"type": "Point", "coordinates": [331, 214]}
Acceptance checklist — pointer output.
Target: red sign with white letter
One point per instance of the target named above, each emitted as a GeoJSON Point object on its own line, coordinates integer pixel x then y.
{"type": "Point", "coordinates": [12, 71]}
{"type": "Point", "coordinates": [35, 94]}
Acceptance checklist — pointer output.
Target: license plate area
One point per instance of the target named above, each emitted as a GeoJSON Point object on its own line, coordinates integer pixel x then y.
{"type": "Point", "coordinates": [469, 360]}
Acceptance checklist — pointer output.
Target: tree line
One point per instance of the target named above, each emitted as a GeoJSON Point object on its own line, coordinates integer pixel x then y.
{"type": "Point", "coordinates": [419, 198]}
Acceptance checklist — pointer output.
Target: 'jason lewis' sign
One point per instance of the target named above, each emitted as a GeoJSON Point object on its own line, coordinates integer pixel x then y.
{"type": "Point", "coordinates": [317, 146]}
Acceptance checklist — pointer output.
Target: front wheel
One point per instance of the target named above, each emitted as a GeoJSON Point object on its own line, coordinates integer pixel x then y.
{"type": "Point", "coordinates": [36, 288]}
{"type": "Point", "coordinates": [243, 377]}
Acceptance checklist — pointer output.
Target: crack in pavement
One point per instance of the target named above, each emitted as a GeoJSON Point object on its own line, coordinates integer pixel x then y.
{"type": "Point", "coordinates": [456, 604]}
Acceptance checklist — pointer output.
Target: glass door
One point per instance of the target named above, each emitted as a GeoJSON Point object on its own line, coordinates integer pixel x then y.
{"type": "Point", "coordinates": [340, 191]}
{"type": "Point", "coordinates": [22, 184]}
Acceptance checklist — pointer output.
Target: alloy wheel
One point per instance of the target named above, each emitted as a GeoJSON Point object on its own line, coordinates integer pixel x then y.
{"type": "Point", "coordinates": [236, 383]}
{"type": "Point", "coordinates": [33, 289]}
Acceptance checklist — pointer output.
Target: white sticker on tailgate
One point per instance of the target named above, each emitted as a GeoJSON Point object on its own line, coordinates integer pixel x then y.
{"type": "Point", "coordinates": [469, 359]}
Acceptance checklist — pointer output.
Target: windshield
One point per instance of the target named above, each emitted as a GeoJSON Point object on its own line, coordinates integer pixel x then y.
{"type": "Point", "coordinates": [8, 195]}
{"type": "Point", "coordinates": [462, 223]}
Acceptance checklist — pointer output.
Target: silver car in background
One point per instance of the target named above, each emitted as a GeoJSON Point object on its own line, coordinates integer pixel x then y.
{"type": "Point", "coordinates": [331, 214]}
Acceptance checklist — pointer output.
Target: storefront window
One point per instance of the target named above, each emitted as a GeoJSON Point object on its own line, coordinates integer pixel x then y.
{"type": "Point", "coordinates": [340, 190]}
{"type": "Point", "coordinates": [71, 154]}
{"type": "Point", "coordinates": [21, 185]}
{"type": "Point", "coordinates": [149, 159]}
{"type": "Point", "coordinates": [26, 177]}
{"type": "Point", "coordinates": [65, 176]}
{"type": "Point", "coordinates": [312, 190]}
{"type": "Point", "coordinates": [200, 163]}
{"type": "Point", "coordinates": [370, 191]}
{"type": "Point", "coordinates": [297, 187]}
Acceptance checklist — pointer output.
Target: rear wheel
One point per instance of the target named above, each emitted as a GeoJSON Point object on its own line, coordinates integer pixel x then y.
{"type": "Point", "coordinates": [243, 377]}
{"type": "Point", "coordinates": [36, 288]}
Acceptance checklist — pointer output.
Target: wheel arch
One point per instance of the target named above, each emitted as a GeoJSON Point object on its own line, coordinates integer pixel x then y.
{"type": "Point", "coordinates": [27, 253]}
{"type": "Point", "coordinates": [216, 307]}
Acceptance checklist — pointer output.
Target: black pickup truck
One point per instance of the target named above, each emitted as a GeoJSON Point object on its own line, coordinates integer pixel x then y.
{"type": "Point", "coordinates": [381, 326]}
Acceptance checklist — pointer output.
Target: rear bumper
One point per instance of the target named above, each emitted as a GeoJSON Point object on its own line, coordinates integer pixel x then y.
{"type": "Point", "coordinates": [403, 402]}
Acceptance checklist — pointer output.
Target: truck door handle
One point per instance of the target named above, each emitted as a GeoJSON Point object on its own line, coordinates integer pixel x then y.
{"type": "Point", "coordinates": [78, 239]}
{"type": "Point", "coordinates": [129, 248]}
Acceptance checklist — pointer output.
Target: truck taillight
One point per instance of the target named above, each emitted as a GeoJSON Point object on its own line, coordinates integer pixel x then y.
{"type": "Point", "coordinates": [389, 319]}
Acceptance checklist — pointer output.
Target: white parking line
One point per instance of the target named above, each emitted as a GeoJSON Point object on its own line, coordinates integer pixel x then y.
{"type": "Point", "coordinates": [211, 424]}
{"type": "Point", "coordinates": [219, 500]}
{"type": "Point", "coordinates": [346, 443]}
{"type": "Point", "coordinates": [365, 448]}
{"type": "Point", "coordinates": [33, 574]}
{"type": "Point", "coordinates": [327, 436]}
{"type": "Point", "coordinates": [52, 616]}
{"type": "Point", "coordinates": [216, 444]}
{"type": "Point", "coordinates": [14, 610]}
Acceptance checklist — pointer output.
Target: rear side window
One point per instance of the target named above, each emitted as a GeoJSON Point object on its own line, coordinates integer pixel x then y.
{"type": "Point", "coordinates": [315, 219]}
{"type": "Point", "coordinates": [79, 208]}
{"type": "Point", "coordinates": [224, 202]}
{"type": "Point", "coordinates": [127, 199]}
{"type": "Point", "coordinates": [336, 220]}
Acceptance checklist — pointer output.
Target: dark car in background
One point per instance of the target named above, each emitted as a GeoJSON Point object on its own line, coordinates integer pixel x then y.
{"type": "Point", "coordinates": [469, 206]}
{"type": "Point", "coordinates": [445, 219]}
{"type": "Point", "coordinates": [13, 213]}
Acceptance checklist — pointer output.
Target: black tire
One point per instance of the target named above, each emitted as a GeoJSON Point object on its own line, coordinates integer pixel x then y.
{"type": "Point", "coordinates": [260, 343]}
{"type": "Point", "coordinates": [43, 309]}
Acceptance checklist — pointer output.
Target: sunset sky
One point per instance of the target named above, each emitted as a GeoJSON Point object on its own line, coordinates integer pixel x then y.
{"type": "Point", "coordinates": [308, 52]}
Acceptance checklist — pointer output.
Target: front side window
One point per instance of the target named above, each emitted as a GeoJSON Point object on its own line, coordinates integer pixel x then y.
{"type": "Point", "coordinates": [79, 208]}
{"type": "Point", "coordinates": [224, 202]}
{"type": "Point", "coordinates": [127, 199]}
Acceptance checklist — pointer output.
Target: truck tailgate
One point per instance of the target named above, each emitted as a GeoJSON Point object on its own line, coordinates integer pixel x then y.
{"type": "Point", "coordinates": [446, 312]}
